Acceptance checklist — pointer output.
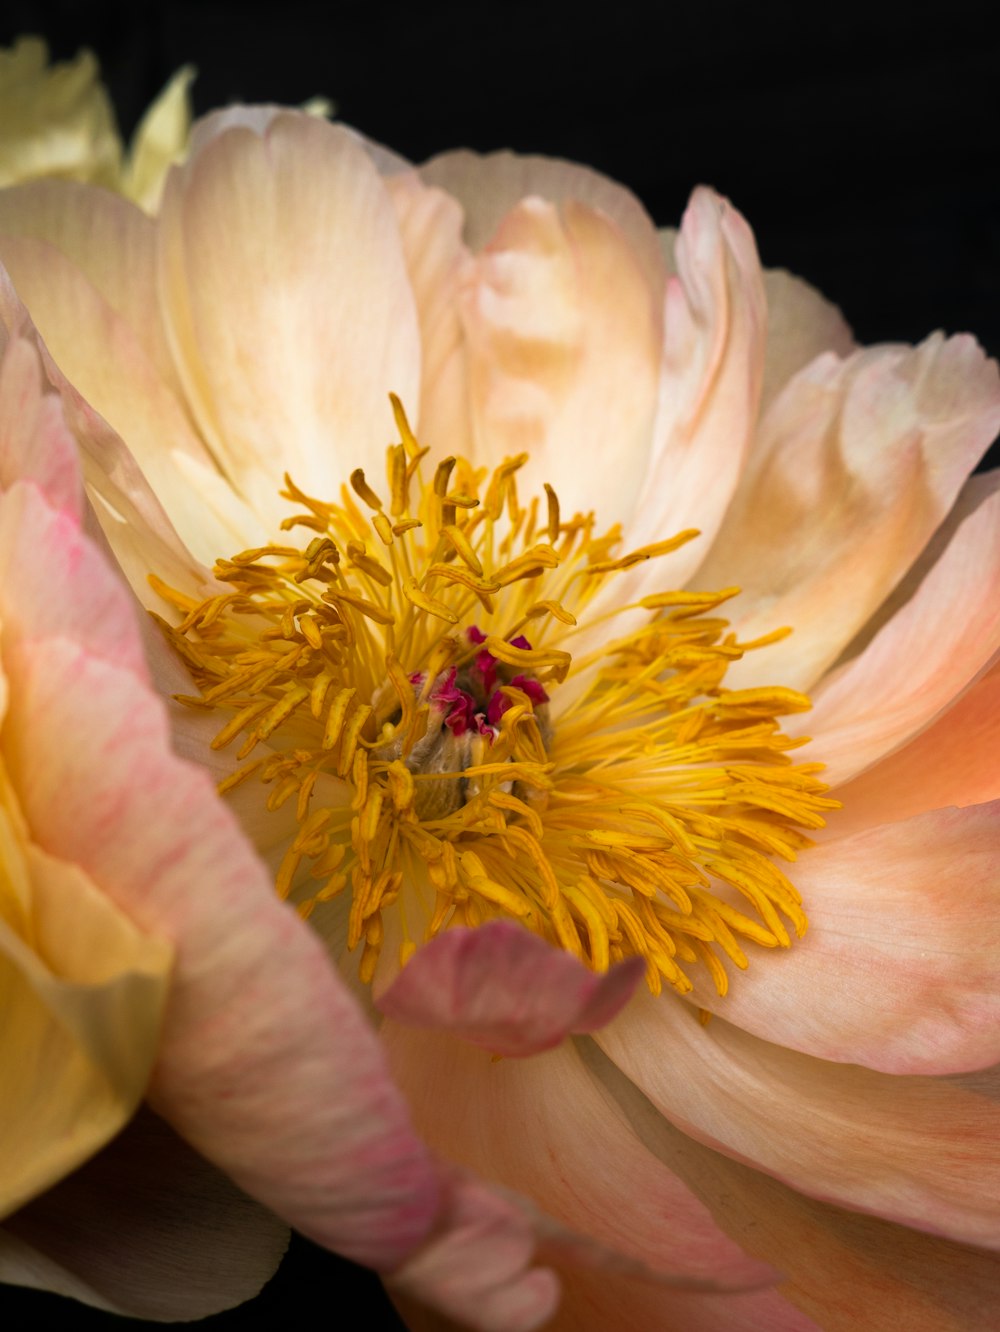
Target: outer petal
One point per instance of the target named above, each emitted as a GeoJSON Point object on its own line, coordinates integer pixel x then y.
{"type": "Point", "coordinates": [953, 762]}
{"type": "Point", "coordinates": [920, 1151]}
{"type": "Point", "coordinates": [801, 325]}
{"type": "Point", "coordinates": [265, 1063]}
{"type": "Point", "coordinates": [857, 463]}
{"type": "Point", "coordinates": [913, 904]}
{"type": "Point", "coordinates": [544, 1127]}
{"type": "Point", "coordinates": [505, 989]}
{"type": "Point", "coordinates": [849, 1272]}
{"type": "Point", "coordinates": [709, 381]}
{"type": "Point", "coordinates": [35, 444]}
{"type": "Point", "coordinates": [945, 636]}
{"type": "Point", "coordinates": [147, 1228]}
{"type": "Point", "coordinates": [288, 304]}
{"type": "Point", "coordinates": [564, 336]}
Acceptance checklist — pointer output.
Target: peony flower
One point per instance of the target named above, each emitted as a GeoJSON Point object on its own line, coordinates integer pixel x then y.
{"type": "Point", "coordinates": [58, 121]}
{"type": "Point", "coordinates": [507, 757]}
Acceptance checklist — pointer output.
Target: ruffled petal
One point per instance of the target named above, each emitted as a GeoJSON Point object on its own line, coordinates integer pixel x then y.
{"type": "Point", "coordinates": [801, 325]}
{"type": "Point", "coordinates": [847, 1271]}
{"type": "Point", "coordinates": [148, 1229]}
{"type": "Point", "coordinates": [288, 306]}
{"type": "Point", "coordinates": [856, 464]}
{"type": "Point", "coordinates": [916, 1150]}
{"type": "Point", "coordinates": [931, 650]}
{"type": "Point", "coordinates": [710, 381]}
{"type": "Point", "coordinates": [912, 903]}
{"type": "Point", "coordinates": [505, 989]}
{"type": "Point", "coordinates": [563, 334]}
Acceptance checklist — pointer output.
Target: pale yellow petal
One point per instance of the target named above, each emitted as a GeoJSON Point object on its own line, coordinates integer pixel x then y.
{"type": "Point", "coordinates": [159, 142]}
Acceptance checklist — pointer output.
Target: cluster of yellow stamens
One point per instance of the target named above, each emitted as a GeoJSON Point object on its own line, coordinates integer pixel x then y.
{"type": "Point", "coordinates": [635, 814]}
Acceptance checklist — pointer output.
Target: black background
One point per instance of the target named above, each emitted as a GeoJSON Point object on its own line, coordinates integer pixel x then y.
{"type": "Point", "coordinates": [860, 140]}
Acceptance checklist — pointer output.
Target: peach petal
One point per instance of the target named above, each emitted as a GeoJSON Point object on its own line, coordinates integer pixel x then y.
{"type": "Point", "coordinates": [920, 1151]}
{"type": "Point", "coordinates": [801, 325]}
{"type": "Point", "coordinates": [845, 1270]}
{"type": "Point", "coordinates": [249, 1070]}
{"type": "Point", "coordinates": [505, 989]}
{"type": "Point", "coordinates": [931, 650]}
{"type": "Point", "coordinates": [710, 381]}
{"type": "Point", "coordinates": [35, 444]}
{"type": "Point", "coordinates": [148, 1229]}
{"type": "Point", "coordinates": [271, 244]}
{"type": "Point", "coordinates": [953, 762]}
{"type": "Point", "coordinates": [489, 186]}
{"type": "Point", "coordinates": [544, 1128]}
{"type": "Point", "coordinates": [563, 335]}
{"type": "Point", "coordinates": [914, 904]}
{"type": "Point", "coordinates": [856, 464]}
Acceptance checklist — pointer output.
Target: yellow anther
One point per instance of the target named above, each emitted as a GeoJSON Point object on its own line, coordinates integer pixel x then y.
{"type": "Point", "coordinates": [432, 605]}
{"type": "Point", "coordinates": [363, 490]}
{"type": "Point", "coordinates": [336, 715]}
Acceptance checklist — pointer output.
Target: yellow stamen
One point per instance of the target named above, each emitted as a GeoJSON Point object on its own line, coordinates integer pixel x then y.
{"type": "Point", "coordinates": [432, 778]}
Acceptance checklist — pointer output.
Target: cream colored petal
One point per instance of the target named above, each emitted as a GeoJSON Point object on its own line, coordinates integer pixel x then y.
{"type": "Point", "coordinates": [710, 381]}
{"type": "Point", "coordinates": [920, 662]}
{"type": "Point", "coordinates": [289, 307]}
{"type": "Point", "coordinates": [847, 1271]}
{"type": "Point", "coordinates": [160, 140]}
{"type": "Point", "coordinates": [857, 463]}
{"type": "Point", "coordinates": [109, 240]}
{"type": "Point", "coordinates": [953, 762]}
{"type": "Point", "coordinates": [563, 335]}
{"type": "Point", "coordinates": [921, 1151]}
{"type": "Point", "coordinates": [83, 997]}
{"type": "Point", "coordinates": [430, 225]}
{"type": "Point", "coordinates": [112, 372]}
{"type": "Point", "coordinates": [147, 1229]}
{"type": "Point", "coordinates": [35, 442]}
{"type": "Point", "coordinates": [801, 325]}
{"type": "Point", "coordinates": [914, 904]}
{"type": "Point", "coordinates": [489, 186]}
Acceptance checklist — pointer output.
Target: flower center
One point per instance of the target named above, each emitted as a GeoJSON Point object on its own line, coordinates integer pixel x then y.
{"type": "Point", "coordinates": [474, 721]}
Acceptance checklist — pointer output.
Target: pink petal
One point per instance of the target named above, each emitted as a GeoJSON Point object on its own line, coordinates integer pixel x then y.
{"type": "Point", "coordinates": [545, 1128]}
{"type": "Point", "coordinates": [35, 444]}
{"type": "Point", "coordinates": [710, 381]}
{"type": "Point", "coordinates": [856, 464]}
{"type": "Point", "coordinates": [288, 305]}
{"type": "Point", "coordinates": [913, 904]}
{"type": "Point", "coordinates": [917, 1150]}
{"type": "Point", "coordinates": [953, 762]}
{"type": "Point", "coordinates": [266, 1064]}
{"type": "Point", "coordinates": [931, 650]}
{"type": "Point", "coordinates": [147, 1228]}
{"type": "Point", "coordinates": [563, 334]}
{"type": "Point", "coordinates": [847, 1271]}
{"type": "Point", "coordinates": [505, 989]}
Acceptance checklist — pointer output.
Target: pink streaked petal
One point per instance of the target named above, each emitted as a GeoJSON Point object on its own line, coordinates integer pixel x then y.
{"type": "Point", "coordinates": [489, 187]}
{"type": "Point", "coordinates": [479, 1271]}
{"type": "Point", "coordinates": [503, 988]}
{"type": "Point", "coordinates": [563, 335]}
{"type": "Point", "coordinates": [266, 1064]}
{"type": "Point", "coordinates": [953, 762]}
{"type": "Point", "coordinates": [856, 464]}
{"type": "Point", "coordinates": [931, 650]}
{"type": "Point", "coordinates": [147, 1228]}
{"type": "Point", "coordinates": [544, 1128]}
{"type": "Point", "coordinates": [913, 904]}
{"type": "Point", "coordinates": [710, 380]}
{"type": "Point", "coordinates": [35, 442]}
{"type": "Point", "coordinates": [847, 1271]}
{"type": "Point", "coordinates": [921, 1151]}
{"type": "Point", "coordinates": [55, 583]}
{"type": "Point", "coordinates": [288, 305]}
